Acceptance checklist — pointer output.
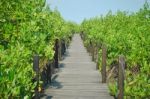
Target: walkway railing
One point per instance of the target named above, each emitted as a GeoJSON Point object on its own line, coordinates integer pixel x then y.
{"type": "Point", "coordinates": [49, 69]}
{"type": "Point", "coordinates": [121, 74]}
{"type": "Point", "coordinates": [93, 50]}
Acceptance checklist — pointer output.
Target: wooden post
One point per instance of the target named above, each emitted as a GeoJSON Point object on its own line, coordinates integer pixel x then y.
{"type": "Point", "coordinates": [93, 51]}
{"type": "Point", "coordinates": [97, 59]}
{"type": "Point", "coordinates": [90, 48]}
{"type": "Point", "coordinates": [56, 53]}
{"type": "Point", "coordinates": [121, 77]}
{"type": "Point", "coordinates": [64, 47]}
{"type": "Point", "coordinates": [104, 53]}
{"type": "Point", "coordinates": [97, 62]}
{"type": "Point", "coordinates": [36, 69]}
{"type": "Point", "coordinates": [60, 49]}
{"type": "Point", "coordinates": [49, 71]}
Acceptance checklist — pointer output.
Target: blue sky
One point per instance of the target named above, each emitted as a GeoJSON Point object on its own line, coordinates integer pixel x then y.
{"type": "Point", "coordinates": [77, 10]}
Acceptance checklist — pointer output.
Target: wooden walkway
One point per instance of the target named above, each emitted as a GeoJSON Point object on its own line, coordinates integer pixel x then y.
{"type": "Point", "coordinates": [77, 77]}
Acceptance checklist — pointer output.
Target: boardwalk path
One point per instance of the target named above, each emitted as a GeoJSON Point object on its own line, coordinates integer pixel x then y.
{"type": "Point", "coordinates": [77, 77]}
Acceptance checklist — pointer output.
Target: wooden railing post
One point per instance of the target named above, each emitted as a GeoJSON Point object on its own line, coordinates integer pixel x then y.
{"type": "Point", "coordinates": [36, 69]}
{"type": "Point", "coordinates": [104, 56]}
{"type": "Point", "coordinates": [97, 62]}
{"type": "Point", "coordinates": [93, 50]}
{"type": "Point", "coordinates": [121, 77]}
{"type": "Point", "coordinates": [59, 50]}
{"type": "Point", "coordinates": [56, 53]}
{"type": "Point", "coordinates": [90, 48]}
{"type": "Point", "coordinates": [97, 59]}
{"type": "Point", "coordinates": [49, 71]}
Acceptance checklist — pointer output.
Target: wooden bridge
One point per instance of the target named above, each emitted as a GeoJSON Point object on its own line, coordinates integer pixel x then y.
{"type": "Point", "coordinates": [77, 77]}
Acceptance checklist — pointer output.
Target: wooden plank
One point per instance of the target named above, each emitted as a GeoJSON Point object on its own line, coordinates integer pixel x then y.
{"type": "Point", "coordinates": [77, 77]}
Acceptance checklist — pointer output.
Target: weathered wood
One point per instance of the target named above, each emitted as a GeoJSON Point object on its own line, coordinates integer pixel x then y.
{"type": "Point", "coordinates": [97, 62]}
{"type": "Point", "coordinates": [90, 48]}
{"type": "Point", "coordinates": [121, 77]}
{"type": "Point", "coordinates": [97, 56]}
{"type": "Point", "coordinates": [36, 63]}
{"type": "Point", "coordinates": [56, 55]}
{"type": "Point", "coordinates": [63, 47]}
{"type": "Point", "coordinates": [77, 78]}
{"type": "Point", "coordinates": [59, 50]}
{"type": "Point", "coordinates": [104, 56]}
{"type": "Point", "coordinates": [93, 52]}
{"type": "Point", "coordinates": [36, 69]}
{"type": "Point", "coordinates": [49, 71]}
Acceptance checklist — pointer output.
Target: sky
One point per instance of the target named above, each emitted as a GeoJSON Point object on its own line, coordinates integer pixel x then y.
{"type": "Point", "coordinates": [78, 10]}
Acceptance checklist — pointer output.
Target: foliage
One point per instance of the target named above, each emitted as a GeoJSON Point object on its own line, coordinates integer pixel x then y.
{"type": "Point", "coordinates": [28, 27]}
{"type": "Point", "coordinates": [128, 34]}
